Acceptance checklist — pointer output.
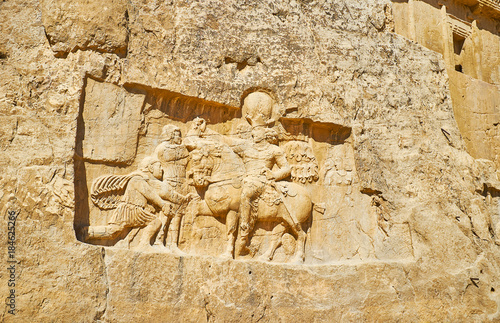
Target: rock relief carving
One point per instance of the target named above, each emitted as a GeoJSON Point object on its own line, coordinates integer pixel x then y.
{"type": "Point", "coordinates": [304, 167]}
{"type": "Point", "coordinates": [138, 200]}
{"type": "Point", "coordinates": [245, 186]}
{"type": "Point", "coordinates": [253, 191]}
{"type": "Point", "coordinates": [173, 157]}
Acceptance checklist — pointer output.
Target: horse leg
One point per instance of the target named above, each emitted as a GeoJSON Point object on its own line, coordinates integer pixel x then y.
{"type": "Point", "coordinates": [276, 241]}
{"type": "Point", "coordinates": [301, 237]}
{"type": "Point", "coordinates": [231, 230]}
{"type": "Point", "coordinates": [242, 241]}
{"type": "Point", "coordinates": [301, 246]}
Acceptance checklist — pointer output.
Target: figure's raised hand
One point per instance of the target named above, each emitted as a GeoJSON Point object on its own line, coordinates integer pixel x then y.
{"type": "Point", "coordinates": [192, 196]}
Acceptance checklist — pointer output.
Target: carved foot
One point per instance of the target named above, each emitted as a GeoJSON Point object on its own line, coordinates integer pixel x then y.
{"type": "Point", "coordinates": [497, 242]}
{"type": "Point", "coordinates": [159, 242]}
{"type": "Point", "coordinates": [252, 251]}
{"type": "Point", "coordinates": [244, 250]}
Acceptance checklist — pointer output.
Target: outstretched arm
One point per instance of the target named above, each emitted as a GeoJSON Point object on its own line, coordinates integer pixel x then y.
{"type": "Point", "coordinates": [149, 192]}
{"type": "Point", "coordinates": [172, 196]}
{"type": "Point", "coordinates": [159, 196]}
{"type": "Point", "coordinates": [284, 168]}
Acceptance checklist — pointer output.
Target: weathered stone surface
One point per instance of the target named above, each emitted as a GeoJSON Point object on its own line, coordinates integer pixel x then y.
{"type": "Point", "coordinates": [84, 25]}
{"type": "Point", "coordinates": [410, 219]}
{"type": "Point", "coordinates": [111, 119]}
{"type": "Point", "coordinates": [196, 289]}
{"type": "Point", "coordinates": [477, 115]}
{"type": "Point", "coordinates": [467, 35]}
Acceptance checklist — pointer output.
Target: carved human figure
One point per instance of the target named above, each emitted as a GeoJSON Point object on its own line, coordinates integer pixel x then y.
{"type": "Point", "coordinates": [142, 194]}
{"type": "Point", "coordinates": [259, 157]}
{"type": "Point", "coordinates": [228, 180]}
{"type": "Point", "coordinates": [173, 156]}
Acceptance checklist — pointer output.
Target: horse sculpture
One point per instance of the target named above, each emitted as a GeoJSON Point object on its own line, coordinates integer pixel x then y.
{"type": "Point", "coordinates": [217, 173]}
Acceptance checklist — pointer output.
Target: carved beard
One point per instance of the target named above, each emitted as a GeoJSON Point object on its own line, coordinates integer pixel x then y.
{"type": "Point", "coordinates": [176, 140]}
{"type": "Point", "coordinates": [157, 173]}
{"type": "Point", "coordinates": [258, 139]}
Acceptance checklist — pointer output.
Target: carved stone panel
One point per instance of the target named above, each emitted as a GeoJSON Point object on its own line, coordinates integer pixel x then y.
{"type": "Point", "coordinates": [111, 120]}
{"type": "Point", "coordinates": [243, 184]}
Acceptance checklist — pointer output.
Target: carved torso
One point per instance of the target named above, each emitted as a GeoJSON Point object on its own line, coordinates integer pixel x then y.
{"type": "Point", "coordinates": [258, 157]}
{"type": "Point", "coordinates": [174, 159]}
{"type": "Point", "coordinates": [138, 191]}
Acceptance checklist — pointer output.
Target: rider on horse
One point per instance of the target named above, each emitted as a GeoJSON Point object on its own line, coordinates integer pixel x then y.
{"type": "Point", "coordinates": [259, 157]}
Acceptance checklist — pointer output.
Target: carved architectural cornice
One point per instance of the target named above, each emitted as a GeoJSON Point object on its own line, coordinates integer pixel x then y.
{"type": "Point", "coordinates": [483, 7]}
{"type": "Point", "coordinates": [459, 26]}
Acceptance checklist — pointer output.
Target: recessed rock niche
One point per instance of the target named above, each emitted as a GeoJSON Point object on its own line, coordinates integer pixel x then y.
{"type": "Point", "coordinates": [162, 172]}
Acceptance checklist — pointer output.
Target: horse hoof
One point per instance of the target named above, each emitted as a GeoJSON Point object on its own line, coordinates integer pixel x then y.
{"type": "Point", "coordinates": [227, 256]}
{"type": "Point", "coordinates": [265, 258]}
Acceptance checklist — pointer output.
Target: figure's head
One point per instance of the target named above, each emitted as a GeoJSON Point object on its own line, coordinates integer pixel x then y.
{"type": "Point", "coordinates": [171, 134]}
{"type": "Point", "coordinates": [198, 127]}
{"type": "Point", "coordinates": [272, 136]}
{"type": "Point", "coordinates": [259, 134]}
{"type": "Point", "coordinates": [151, 165]}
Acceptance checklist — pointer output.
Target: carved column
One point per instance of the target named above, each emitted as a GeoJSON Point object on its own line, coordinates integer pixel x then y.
{"type": "Point", "coordinates": [412, 33]}
{"type": "Point", "coordinates": [447, 40]}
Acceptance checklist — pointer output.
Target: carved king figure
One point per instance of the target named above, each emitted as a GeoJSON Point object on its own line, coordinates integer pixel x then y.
{"type": "Point", "coordinates": [259, 157]}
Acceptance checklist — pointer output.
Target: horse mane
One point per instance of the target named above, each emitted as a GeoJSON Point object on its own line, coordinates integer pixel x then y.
{"type": "Point", "coordinates": [228, 164]}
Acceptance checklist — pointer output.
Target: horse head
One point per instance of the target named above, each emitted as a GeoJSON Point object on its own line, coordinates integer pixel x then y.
{"type": "Point", "coordinates": [203, 162]}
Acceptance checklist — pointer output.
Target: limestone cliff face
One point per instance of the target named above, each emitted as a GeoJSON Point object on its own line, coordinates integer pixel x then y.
{"type": "Point", "coordinates": [407, 221]}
